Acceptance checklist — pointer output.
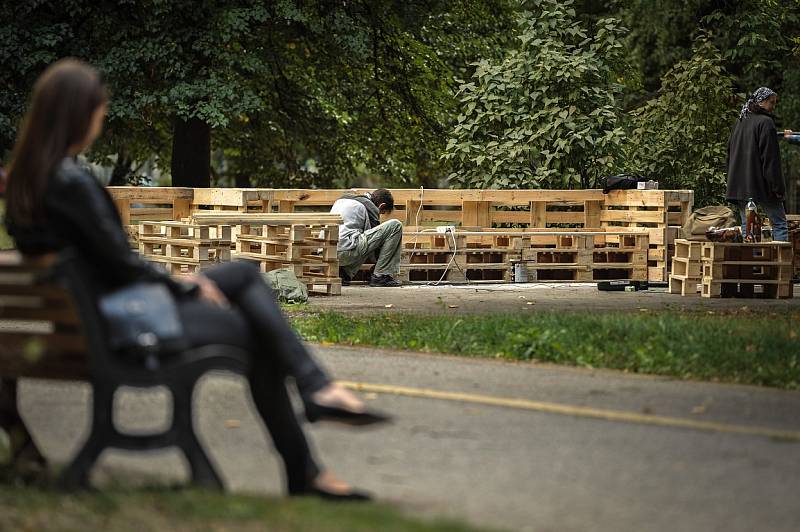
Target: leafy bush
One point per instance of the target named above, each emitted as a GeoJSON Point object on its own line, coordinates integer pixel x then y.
{"type": "Point", "coordinates": [547, 115]}
{"type": "Point", "coordinates": [680, 137]}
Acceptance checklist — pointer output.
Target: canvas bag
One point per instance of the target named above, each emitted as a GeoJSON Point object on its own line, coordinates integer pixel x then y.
{"type": "Point", "coordinates": [704, 218]}
{"type": "Point", "coordinates": [286, 286]}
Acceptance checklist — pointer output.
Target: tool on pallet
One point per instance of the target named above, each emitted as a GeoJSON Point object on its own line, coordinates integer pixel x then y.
{"type": "Point", "coordinates": [752, 223]}
{"type": "Point", "coordinates": [789, 136]}
{"type": "Point", "coordinates": [622, 286]}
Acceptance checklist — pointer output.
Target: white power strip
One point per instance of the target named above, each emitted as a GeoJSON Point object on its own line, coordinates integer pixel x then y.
{"type": "Point", "coordinates": [445, 228]}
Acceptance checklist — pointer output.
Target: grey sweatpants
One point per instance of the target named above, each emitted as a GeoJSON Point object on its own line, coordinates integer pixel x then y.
{"type": "Point", "coordinates": [385, 239]}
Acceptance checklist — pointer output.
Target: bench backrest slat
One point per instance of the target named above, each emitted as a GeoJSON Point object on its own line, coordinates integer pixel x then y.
{"type": "Point", "coordinates": [40, 333]}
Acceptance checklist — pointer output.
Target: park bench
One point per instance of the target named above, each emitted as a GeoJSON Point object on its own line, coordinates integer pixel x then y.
{"type": "Point", "coordinates": [50, 329]}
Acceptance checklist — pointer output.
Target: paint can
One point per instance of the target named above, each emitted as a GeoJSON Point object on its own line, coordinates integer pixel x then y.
{"type": "Point", "coordinates": [520, 272]}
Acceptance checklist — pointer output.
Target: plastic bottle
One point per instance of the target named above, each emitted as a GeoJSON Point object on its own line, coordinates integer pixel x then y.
{"type": "Point", "coordinates": [752, 231]}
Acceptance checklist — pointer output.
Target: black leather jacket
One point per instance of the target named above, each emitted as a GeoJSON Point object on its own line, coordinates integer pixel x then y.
{"type": "Point", "coordinates": [80, 214]}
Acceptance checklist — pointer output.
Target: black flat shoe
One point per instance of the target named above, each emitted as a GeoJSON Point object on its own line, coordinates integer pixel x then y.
{"type": "Point", "coordinates": [353, 495]}
{"type": "Point", "coordinates": [317, 412]}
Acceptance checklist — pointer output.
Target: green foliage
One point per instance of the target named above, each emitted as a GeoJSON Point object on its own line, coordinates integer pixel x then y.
{"type": "Point", "coordinates": [360, 87]}
{"type": "Point", "coordinates": [547, 115]}
{"type": "Point", "coordinates": [117, 510]}
{"type": "Point", "coordinates": [744, 348]}
{"type": "Point", "coordinates": [679, 138]}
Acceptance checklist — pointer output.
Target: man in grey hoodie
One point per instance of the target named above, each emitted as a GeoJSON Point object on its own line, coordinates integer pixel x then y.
{"type": "Point", "coordinates": [361, 235]}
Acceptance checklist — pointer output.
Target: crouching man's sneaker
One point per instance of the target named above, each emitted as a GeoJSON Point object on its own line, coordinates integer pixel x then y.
{"type": "Point", "coordinates": [383, 280]}
{"type": "Point", "coordinates": [346, 279]}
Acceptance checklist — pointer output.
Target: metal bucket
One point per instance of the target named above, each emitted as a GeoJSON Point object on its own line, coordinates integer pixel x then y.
{"type": "Point", "coordinates": [520, 272]}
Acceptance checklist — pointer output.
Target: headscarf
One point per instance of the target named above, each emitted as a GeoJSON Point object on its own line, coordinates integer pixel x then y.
{"type": "Point", "coordinates": [761, 94]}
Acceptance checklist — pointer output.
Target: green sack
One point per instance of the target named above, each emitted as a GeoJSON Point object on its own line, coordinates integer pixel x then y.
{"type": "Point", "coordinates": [286, 286]}
{"type": "Point", "coordinates": [705, 218]}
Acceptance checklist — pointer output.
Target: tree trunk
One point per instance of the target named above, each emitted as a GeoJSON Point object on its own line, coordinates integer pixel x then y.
{"type": "Point", "coordinates": [122, 169]}
{"type": "Point", "coordinates": [191, 154]}
{"type": "Point", "coordinates": [242, 180]}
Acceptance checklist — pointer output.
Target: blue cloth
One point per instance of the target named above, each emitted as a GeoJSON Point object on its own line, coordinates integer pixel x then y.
{"type": "Point", "coordinates": [777, 217]}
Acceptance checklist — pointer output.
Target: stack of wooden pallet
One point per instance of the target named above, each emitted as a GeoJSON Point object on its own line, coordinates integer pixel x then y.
{"type": "Point", "coordinates": [660, 212]}
{"type": "Point", "coordinates": [138, 204]}
{"type": "Point", "coordinates": [687, 268]}
{"type": "Point", "coordinates": [536, 256]}
{"type": "Point", "coordinates": [183, 247]}
{"type": "Point", "coordinates": [306, 244]}
{"type": "Point", "coordinates": [747, 270]}
{"type": "Point", "coordinates": [794, 238]}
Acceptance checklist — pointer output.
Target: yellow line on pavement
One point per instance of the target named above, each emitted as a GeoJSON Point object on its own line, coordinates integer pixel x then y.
{"type": "Point", "coordinates": [577, 411]}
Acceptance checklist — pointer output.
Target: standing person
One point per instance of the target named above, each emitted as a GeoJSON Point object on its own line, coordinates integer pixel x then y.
{"type": "Point", "coordinates": [362, 235]}
{"type": "Point", "coordinates": [754, 162]}
{"type": "Point", "coordinates": [53, 204]}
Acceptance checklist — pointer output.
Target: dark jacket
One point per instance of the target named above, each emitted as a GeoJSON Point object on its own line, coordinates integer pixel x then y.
{"type": "Point", "coordinates": [754, 163]}
{"type": "Point", "coordinates": [80, 214]}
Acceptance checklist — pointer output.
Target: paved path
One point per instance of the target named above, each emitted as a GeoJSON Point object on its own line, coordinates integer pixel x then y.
{"type": "Point", "coordinates": [491, 451]}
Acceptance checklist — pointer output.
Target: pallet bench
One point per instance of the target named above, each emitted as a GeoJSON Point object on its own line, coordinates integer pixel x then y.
{"type": "Point", "coordinates": [50, 329]}
{"type": "Point", "coordinates": [303, 243]}
{"type": "Point", "coordinates": [747, 270]}
{"type": "Point", "coordinates": [536, 255]}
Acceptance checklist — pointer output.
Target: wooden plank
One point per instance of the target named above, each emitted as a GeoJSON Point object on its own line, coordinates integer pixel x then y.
{"type": "Point", "coordinates": [151, 214]}
{"type": "Point", "coordinates": [237, 218]}
{"type": "Point", "coordinates": [659, 217]}
{"type": "Point", "coordinates": [181, 208]}
{"type": "Point", "coordinates": [538, 214]}
{"type": "Point", "coordinates": [124, 209]}
{"type": "Point", "coordinates": [230, 197]}
{"type": "Point", "coordinates": [63, 315]}
{"type": "Point", "coordinates": [150, 194]}
{"type": "Point", "coordinates": [34, 345]}
{"type": "Point", "coordinates": [591, 213]}
{"type": "Point", "coordinates": [413, 210]}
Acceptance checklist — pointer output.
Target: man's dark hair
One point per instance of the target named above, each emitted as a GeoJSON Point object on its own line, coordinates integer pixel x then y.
{"type": "Point", "coordinates": [383, 196]}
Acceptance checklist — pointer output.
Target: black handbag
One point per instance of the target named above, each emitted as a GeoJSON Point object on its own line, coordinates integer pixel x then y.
{"type": "Point", "coordinates": [142, 319]}
{"type": "Point", "coordinates": [621, 182]}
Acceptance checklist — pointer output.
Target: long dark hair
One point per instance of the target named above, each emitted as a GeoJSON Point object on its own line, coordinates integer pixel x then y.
{"type": "Point", "coordinates": [64, 99]}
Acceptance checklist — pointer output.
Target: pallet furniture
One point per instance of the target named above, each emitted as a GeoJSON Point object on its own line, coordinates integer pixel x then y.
{"type": "Point", "coordinates": [137, 204]}
{"type": "Point", "coordinates": [794, 237]}
{"type": "Point", "coordinates": [494, 255]}
{"type": "Point", "coordinates": [51, 330]}
{"type": "Point", "coordinates": [687, 268]}
{"type": "Point", "coordinates": [306, 244]}
{"type": "Point", "coordinates": [762, 270]}
{"type": "Point", "coordinates": [183, 247]}
{"type": "Point", "coordinates": [659, 212]}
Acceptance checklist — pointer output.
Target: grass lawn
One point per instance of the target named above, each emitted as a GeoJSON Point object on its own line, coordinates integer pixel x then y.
{"type": "Point", "coordinates": [740, 346]}
{"type": "Point", "coordinates": [195, 510]}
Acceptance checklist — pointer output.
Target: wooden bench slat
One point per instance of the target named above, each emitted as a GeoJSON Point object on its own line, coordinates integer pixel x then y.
{"type": "Point", "coordinates": [65, 314]}
{"type": "Point", "coordinates": [41, 290]}
{"type": "Point", "coordinates": [27, 342]}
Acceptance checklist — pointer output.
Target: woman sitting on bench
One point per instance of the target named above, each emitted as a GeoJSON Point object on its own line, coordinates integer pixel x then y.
{"type": "Point", "coordinates": [53, 204]}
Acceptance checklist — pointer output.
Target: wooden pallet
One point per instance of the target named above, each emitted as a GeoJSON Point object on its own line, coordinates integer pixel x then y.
{"type": "Point", "coordinates": [794, 237]}
{"type": "Point", "coordinates": [305, 244]}
{"type": "Point", "coordinates": [557, 256]}
{"type": "Point", "coordinates": [659, 212]}
{"type": "Point", "coordinates": [747, 270]}
{"type": "Point", "coordinates": [687, 268]}
{"type": "Point", "coordinates": [182, 248]}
